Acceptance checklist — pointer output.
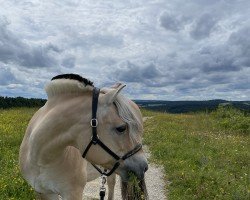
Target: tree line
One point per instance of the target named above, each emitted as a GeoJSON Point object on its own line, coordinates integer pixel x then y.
{"type": "Point", "coordinates": [192, 106]}
{"type": "Point", "coordinates": [10, 102]}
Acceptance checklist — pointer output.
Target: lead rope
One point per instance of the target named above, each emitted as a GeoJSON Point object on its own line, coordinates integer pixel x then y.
{"type": "Point", "coordinates": [102, 188]}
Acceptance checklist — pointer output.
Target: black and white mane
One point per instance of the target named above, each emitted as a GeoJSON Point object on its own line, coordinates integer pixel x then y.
{"type": "Point", "coordinates": [74, 83]}
{"type": "Point", "coordinates": [74, 77]}
{"type": "Point", "coordinates": [68, 83]}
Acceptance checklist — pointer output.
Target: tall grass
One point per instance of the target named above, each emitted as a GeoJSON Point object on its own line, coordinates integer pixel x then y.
{"type": "Point", "coordinates": [202, 159]}
{"type": "Point", "coordinates": [232, 120]}
{"type": "Point", "coordinates": [13, 123]}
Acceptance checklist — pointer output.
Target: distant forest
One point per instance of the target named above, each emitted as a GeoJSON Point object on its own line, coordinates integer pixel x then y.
{"type": "Point", "coordinates": [157, 105]}
{"type": "Point", "coordinates": [11, 102]}
{"type": "Point", "coordinates": [191, 106]}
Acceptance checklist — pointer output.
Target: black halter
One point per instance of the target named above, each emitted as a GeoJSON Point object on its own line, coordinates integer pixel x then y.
{"type": "Point", "coordinates": [95, 139]}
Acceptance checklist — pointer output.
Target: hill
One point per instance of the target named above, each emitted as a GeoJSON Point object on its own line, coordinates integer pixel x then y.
{"type": "Point", "coordinates": [190, 106]}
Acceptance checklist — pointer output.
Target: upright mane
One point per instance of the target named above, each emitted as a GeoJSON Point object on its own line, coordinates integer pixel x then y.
{"type": "Point", "coordinates": [74, 83]}
{"type": "Point", "coordinates": [68, 83]}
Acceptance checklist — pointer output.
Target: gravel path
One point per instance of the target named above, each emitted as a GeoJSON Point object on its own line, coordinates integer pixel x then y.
{"type": "Point", "coordinates": [154, 181]}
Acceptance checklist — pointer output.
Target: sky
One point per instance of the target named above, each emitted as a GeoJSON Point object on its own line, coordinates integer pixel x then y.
{"type": "Point", "coordinates": [161, 49]}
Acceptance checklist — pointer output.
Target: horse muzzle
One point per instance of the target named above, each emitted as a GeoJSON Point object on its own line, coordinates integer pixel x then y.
{"type": "Point", "coordinates": [138, 167]}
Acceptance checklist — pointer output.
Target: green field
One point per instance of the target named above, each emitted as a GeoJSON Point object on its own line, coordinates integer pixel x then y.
{"type": "Point", "coordinates": [12, 127]}
{"type": "Point", "coordinates": [205, 156]}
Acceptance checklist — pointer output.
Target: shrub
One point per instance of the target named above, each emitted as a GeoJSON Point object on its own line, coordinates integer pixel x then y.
{"type": "Point", "coordinates": [232, 119]}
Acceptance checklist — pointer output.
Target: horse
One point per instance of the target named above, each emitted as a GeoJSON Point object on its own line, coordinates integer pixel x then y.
{"type": "Point", "coordinates": [61, 138]}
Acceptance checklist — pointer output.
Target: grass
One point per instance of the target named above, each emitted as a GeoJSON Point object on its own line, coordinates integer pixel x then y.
{"type": "Point", "coordinates": [202, 159]}
{"type": "Point", "coordinates": [13, 123]}
{"type": "Point", "coordinates": [135, 192]}
{"type": "Point", "coordinates": [232, 120]}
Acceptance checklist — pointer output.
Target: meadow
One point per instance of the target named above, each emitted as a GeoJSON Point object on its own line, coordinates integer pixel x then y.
{"type": "Point", "coordinates": [13, 124]}
{"type": "Point", "coordinates": [204, 155]}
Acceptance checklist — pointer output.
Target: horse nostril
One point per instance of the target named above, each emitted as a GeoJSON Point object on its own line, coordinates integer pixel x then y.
{"type": "Point", "coordinates": [146, 169]}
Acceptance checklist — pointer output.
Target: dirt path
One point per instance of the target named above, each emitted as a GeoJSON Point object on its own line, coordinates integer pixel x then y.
{"type": "Point", "coordinates": [154, 181]}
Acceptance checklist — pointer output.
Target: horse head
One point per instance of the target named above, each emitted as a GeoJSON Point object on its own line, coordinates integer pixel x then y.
{"type": "Point", "coordinates": [120, 128]}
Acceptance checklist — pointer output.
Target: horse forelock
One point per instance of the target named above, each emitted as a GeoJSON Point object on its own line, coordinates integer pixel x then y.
{"type": "Point", "coordinates": [60, 86]}
{"type": "Point", "coordinates": [128, 114]}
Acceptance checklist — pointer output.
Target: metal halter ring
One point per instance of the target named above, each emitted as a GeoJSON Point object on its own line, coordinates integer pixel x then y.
{"type": "Point", "coordinates": [93, 122]}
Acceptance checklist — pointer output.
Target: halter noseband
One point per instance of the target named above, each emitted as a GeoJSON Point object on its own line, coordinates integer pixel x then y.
{"type": "Point", "coordinates": [95, 139]}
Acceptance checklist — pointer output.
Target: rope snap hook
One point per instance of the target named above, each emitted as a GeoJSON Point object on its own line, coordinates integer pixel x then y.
{"type": "Point", "coordinates": [102, 188]}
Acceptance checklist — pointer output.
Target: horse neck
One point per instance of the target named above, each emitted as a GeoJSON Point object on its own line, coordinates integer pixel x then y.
{"type": "Point", "coordinates": [63, 123]}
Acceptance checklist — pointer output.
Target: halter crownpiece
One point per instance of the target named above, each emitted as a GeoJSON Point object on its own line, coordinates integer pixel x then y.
{"type": "Point", "coordinates": [95, 139]}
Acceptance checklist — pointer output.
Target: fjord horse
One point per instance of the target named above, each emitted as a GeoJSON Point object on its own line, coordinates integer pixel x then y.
{"type": "Point", "coordinates": [58, 134]}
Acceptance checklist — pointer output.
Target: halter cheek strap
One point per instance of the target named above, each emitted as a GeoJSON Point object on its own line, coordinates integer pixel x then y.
{"type": "Point", "coordinates": [95, 139]}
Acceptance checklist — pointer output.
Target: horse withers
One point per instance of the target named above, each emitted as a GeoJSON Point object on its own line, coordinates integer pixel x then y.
{"type": "Point", "coordinates": [50, 155]}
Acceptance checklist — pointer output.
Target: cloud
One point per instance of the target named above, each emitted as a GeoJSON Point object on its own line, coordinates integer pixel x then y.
{"type": "Point", "coordinates": [14, 50]}
{"type": "Point", "coordinates": [170, 22]}
{"type": "Point", "coordinates": [241, 43]}
{"type": "Point", "coordinates": [203, 26]}
{"type": "Point", "coordinates": [69, 62]}
{"type": "Point", "coordinates": [232, 55]}
{"type": "Point", "coordinates": [100, 40]}
{"type": "Point", "coordinates": [215, 63]}
{"type": "Point", "coordinates": [6, 76]}
{"type": "Point", "coordinates": [130, 72]}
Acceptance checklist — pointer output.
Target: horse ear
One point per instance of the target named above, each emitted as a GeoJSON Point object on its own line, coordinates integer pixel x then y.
{"type": "Point", "coordinates": [117, 85]}
{"type": "Point", "coordinates": [110, 96]}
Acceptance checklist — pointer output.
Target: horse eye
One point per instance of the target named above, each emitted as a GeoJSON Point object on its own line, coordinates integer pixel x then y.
{"type": "Point", "coordinates": [122, 128]}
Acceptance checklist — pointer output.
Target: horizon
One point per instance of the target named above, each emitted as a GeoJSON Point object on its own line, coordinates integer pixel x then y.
{"type": "Point", "coordinates": [160, 49]}
{"type": "Point", "coordinates": [143, 99]}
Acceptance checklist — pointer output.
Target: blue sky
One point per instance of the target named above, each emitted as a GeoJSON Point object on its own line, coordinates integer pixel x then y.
{"type": "Point", "coordinates": [162, 49]}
